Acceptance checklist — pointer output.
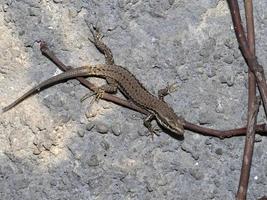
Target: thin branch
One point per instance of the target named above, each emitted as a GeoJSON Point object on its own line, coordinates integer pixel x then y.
{"type": "Point", "coordinates": [250, 58]}
{"type": "Point", "coordinates": [248, 151]}
{"type": "Point", "coordinates": [261, 129]}
{"type": "Point", "coordinates": [250, 135]}
{"type": "Point", "coordinates": [51, 56]}
{"type": "Point", "coordinates": [251, 44]}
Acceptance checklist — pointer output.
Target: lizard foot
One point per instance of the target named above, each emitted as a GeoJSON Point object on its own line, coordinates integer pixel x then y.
{"type": "Point", "coordinates": [86, 96]}
{"type": "Point", "coordinates": [170, 88]}
{"type": "Point", "coordinates": [97, 36]}
{"type": "Point", "coordinates": [153, 131]}
{"type": "Point", "coordinates": [98, 95]}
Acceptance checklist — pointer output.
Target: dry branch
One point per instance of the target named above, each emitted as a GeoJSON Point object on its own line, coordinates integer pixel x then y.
{"type": "Point", "coordinates": [260, 129]}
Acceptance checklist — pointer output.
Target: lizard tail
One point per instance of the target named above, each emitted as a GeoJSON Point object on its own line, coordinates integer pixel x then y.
{"type": "Point", "coordinates": [76, 72]}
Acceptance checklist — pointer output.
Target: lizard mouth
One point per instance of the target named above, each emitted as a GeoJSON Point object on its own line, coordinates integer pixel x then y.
{"type": "Point", "coordinates": [178, 129]}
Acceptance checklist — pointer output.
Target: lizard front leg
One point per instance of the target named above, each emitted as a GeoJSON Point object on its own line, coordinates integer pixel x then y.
{"type": "Point", "coordinates": [111, 87]}
{"type": "Point", "coordinates": [147, 123]}
{"type": "Point", "coordinates": [167, 90]}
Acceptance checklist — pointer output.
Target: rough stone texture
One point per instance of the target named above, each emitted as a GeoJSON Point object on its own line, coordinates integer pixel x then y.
{"type": "Point", "coordinates": [47, 148]}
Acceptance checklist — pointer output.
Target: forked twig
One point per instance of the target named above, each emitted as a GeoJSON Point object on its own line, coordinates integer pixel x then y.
{"type": "Point", "coordinates": [261, 129]}
{"type": "Point", "coordinates": [253, 105]}
{"type": "Point", "coordinates": [256, 73]}
{"type": "Point", "coordinates": [250, 58]}
{"type": "Point", "coordinates": [248, 151]}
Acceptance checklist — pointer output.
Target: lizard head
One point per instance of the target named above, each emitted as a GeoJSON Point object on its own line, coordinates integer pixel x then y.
{"type": "Point", "coordinates": [169, 120]}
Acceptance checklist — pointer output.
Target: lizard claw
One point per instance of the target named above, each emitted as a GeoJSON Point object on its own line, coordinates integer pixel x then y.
{"type": "Point", "coordinates": [97, 36]}
{"type": "Point", "coordinates": [172, 88]}
{"type": "Point", "coordinates": [153, 131]}
{"type": "Point", "coordinates": [86, 96]}
{"type": "Point", "coordinates": [98, 95]}
{"type": "Point", "coordinates": [167, 90]}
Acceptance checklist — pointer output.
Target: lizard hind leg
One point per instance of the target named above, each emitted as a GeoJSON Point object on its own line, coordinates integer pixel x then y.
{"type": "Point", "coordinates": [111, 87]}
{"type": "Point", "coordinates": [97, 95]}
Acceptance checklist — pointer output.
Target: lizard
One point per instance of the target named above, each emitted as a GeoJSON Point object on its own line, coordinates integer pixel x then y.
{"type": "Point", "coordinates": [118, 77]}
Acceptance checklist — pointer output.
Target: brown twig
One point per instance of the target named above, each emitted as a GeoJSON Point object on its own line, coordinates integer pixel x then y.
{"type": "Point", "coordinates": [50, 55]}
{"type": "Point", "coordinates": [261, 129]}
{"type": "Point", "coordinates": [250, 135]}
{"type": "Point", "coordinates": [248, 151]}
{"type": "Point", "coordinates": [250, 58]}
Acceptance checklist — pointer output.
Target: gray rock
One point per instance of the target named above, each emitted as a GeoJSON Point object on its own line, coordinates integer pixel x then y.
{"type": "Point", "coordinates": [219, 151]}
{"type": "Point", "coordinates": [47, 144]}
{"type": "Point", "coordinates": [229, 43]}
{"type": "Point", "coordinates": [197, 174]}
{"type": "Point", "coordinates": [171, 2]}
{"type": "Point", "coordinates": [205, 118]}
{"type": "Point", "coordinates": [81, 133]}
{"type": "Point", "coordinates": [227, 76]}
{"type": "Point", "coordinates": [219, 106]}
{"type": "Point", "coordinates": [228, 59]}
{"type": "Point", "coordinates": [190, 44]}
{"type": "Point", "coordinates": [187, 147]}
{"type": "Point", "coordinates": [90, 126]}
{"type": "Point", "coordinates": [208, 48]}
{"type": "Point", "coordinates": [73, 13]}
{"type": "Point", "coordinates": [34, 11]}
{"type": "Point", "coordinates": [102, 128]}
{"type": "Point", "coordinates": [116, 129]}
{"type": "Point", "coordinates": [211, 71]}
{"type": "Point", "coordinates": [90, 113]}
{"type": "Point", "coordinates": [182, 72]}
{"type": "Point", "coordinates": [57, 1]}
{"type": "Point", "coordinates": [105, 145]}
{"type": "Point", "coordinates": [20, 182]}
{"type": "Point", "coordinates": [258, 138]}
{"type": "Point", "coordinates": [93, 161]}
{"type": "Point", "coordinates": [36, 151]}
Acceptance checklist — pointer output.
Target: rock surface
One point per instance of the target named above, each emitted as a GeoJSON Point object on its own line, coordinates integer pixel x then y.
{"type": "Point", "coordinates": [49, 147]}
